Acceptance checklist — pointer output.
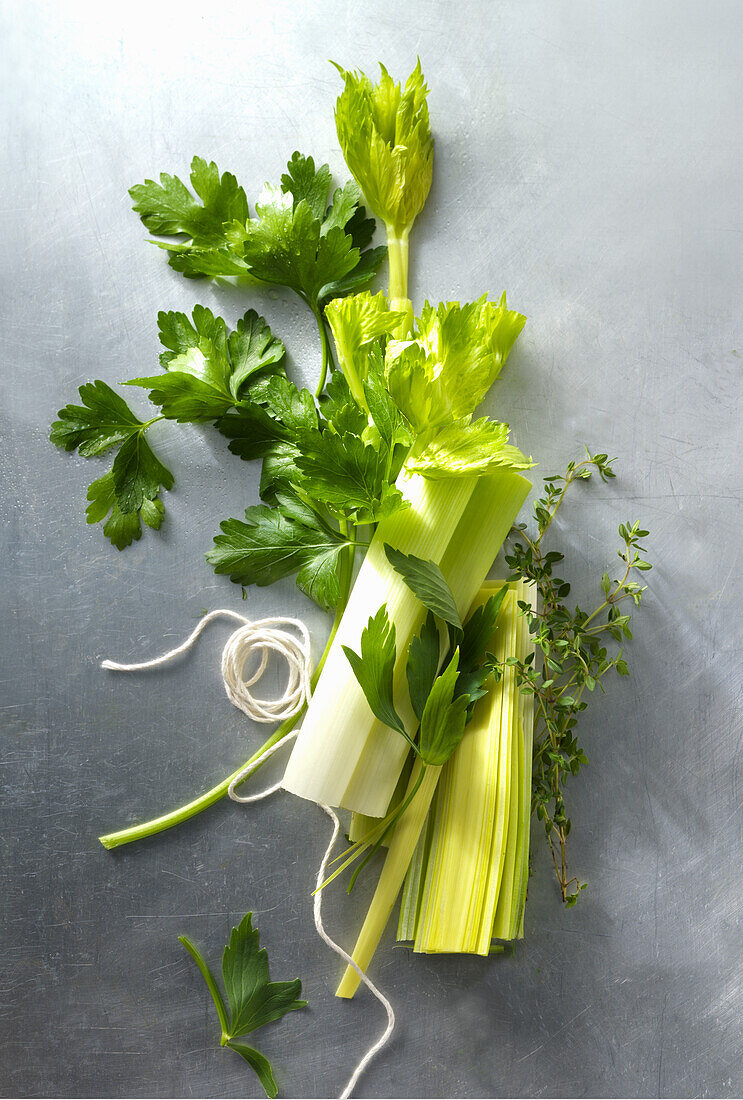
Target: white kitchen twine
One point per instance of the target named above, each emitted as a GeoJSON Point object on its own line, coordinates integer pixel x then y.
{"type": "Point", "coordinates": [263, 637]}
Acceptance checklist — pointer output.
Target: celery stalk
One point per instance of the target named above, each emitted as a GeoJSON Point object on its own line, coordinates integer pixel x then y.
{"type": "Point", "coordinates": [344, 755]}
{"type": "Point", "coordinates": [402, 847]}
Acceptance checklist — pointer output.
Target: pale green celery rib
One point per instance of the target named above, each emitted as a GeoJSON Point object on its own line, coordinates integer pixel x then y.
{"type": "Point", "coordinates": [361, 824]}
{"type": "Point", "coordinates": [500, 925]}
{"type": "Point", "coordinates": [339, 725]}
{"type": "Point", "coordinates": [403, 844]}
{"type": "Point", "coordinates": [484, 523]}
{"type": "Point", "coordinates": [464, 864]}
{"type": "Point", "coordinates": [411, 891]}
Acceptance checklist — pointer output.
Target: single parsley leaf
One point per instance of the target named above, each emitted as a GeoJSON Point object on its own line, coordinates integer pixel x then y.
{"type": "Point", "coordinates": [426, 581]}
{"type": "Point", "coordinates": [138, 474]}
{"type": "Point", "coordinates": [122, 528]}
{"type": "Point", "coordinates": [207, 366]}
{"type": "Point", "coordinates": [127, 495]}
{"type": "Point", "coordinates": [169, 209]}
{"type": "Point", "coordinates": [296, 242]}
{"type": "Point", "coordinates": [253, 999]}
{"type": "Point", "coordinates": [103, 420]}
{"type": "Point", "coordinates": [275, 542]}
{"type": "Point", "coordinates": [374, 669]}
{"type": "Point", "coordinates": [349, 476]}
{"type": "Point", "coordinates": [444, 717]}
{"type": "Point", "coordinates": [423, 664]}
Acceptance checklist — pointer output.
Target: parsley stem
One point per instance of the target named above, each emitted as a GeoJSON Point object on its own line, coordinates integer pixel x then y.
{"type": "Point", "coordinates": [204, 801]}
{"type": "Point", "coordinates": [327, 355]}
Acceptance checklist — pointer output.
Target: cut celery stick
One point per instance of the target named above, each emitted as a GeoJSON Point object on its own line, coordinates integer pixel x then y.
{"type": "Point", "coordinates": [403, 844]}
{"type": "Point", "coordinates": [500, 925]}
{"type": "Point", "coordinates": [527, 732]}
{"type": "Point", "coordinates": [343, 755]}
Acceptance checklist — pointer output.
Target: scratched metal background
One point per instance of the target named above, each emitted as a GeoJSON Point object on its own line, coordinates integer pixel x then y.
{"type": "Point", "coordinates": [588, 159]}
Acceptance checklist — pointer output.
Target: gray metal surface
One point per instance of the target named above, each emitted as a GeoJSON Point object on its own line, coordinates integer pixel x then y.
{"type": "Point", "coordinates": [588, 160]}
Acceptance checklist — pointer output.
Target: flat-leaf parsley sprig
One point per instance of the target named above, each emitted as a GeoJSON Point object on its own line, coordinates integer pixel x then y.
{"type": "Point", "coordinates": [252, 998]}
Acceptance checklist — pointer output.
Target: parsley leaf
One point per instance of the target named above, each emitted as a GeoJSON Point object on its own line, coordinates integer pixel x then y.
{"type": "Point", "coordinates": [207, 367]}
{"type": "Point", "coordinates": [120, 527]}
{"type": "Point", "coordinates": [296, 242]}
{"type": "Point", "coordinates": [271, 543]}
{"type": "Point", "coordinates": [426, 581]}
{"type": "Point", "coordinates": [169, 209]}
{"type": "Point", "coordinates": [138, 474]}
{"type": "Point", "coordinates": [253, 432]}
{"type": "Point", "coordinates": [349, 476]}
{"type": "Point", "coordinates": [103, 420]}
{"type": "Point", "coordinates": [253, 999]}
{"type": "Point", "coordinates": [128, 495]}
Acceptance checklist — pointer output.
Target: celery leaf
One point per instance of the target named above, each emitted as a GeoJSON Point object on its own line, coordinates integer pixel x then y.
{"type": "Point", "coordinates": [384, 132]}
{"type": "Point", "coordinates": [356, 324]}
{"type": "Point", "coordinates": [478, 448]}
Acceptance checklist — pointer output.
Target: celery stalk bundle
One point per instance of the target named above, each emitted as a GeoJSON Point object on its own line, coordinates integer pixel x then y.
{"type": "Point", "coordinates": [467, 885]}
{"type": "Point", "coordinates": [353, 760]}
{"type": "Point", "coordinates": [465, 869]}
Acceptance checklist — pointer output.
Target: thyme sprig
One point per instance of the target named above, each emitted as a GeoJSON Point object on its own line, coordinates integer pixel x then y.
{"type": "Point", "coordinates": [573, 647]}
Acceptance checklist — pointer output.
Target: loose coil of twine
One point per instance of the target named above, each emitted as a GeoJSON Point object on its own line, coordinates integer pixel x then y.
{"type": "Point", "coordinates": [256, 641]}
